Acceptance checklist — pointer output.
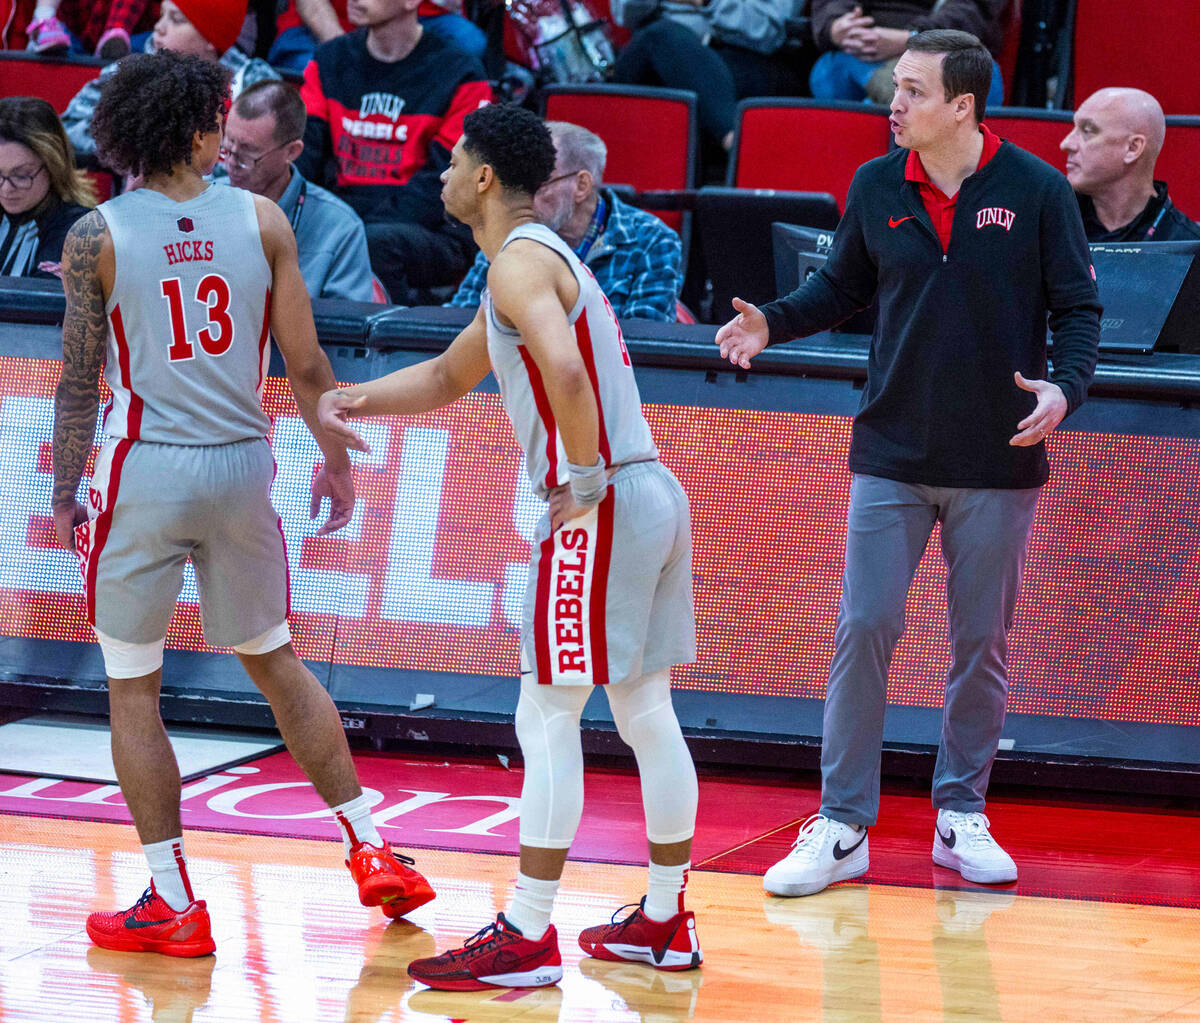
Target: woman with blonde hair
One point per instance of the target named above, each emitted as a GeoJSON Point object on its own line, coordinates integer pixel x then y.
{"type": "Point", "coordinates": [41, 192]}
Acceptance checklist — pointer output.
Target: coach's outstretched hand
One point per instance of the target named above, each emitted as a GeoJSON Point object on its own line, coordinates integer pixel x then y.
{"type": "Point", "coordinates": [332, 410]}
{"type": "Point", "coordinates": [744, 336]}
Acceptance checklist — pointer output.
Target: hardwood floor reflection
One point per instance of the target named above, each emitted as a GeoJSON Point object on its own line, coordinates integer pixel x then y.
{"type": "Point", "coordinates": [293, 945]}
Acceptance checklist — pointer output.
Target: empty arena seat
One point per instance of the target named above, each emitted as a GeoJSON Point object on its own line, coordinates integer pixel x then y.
{"type": "Point", "coordinates": [1178, 161]}
{"type": "Point", "coordinates": [805, 146]}
{"type": "Point", "coordinates": [1039, 131]}
{"type": "Point", "coordinates": [1148, 46]}
{"type": "Point", "coordinates": [55, 79]}
{"type": "Point", "coordinates": [650, 134]}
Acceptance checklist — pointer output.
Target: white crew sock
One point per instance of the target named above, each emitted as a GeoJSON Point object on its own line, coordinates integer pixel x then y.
{"type": "Point", "coordinates": [169, 870]}
{"type": "Point", "coordinates": [664, 893]}
{"type": "Point", "coordinates": [354, 818]}
{"type": "Point", "coordinates": [43, 11]}
{"type": "Point", "coordinates": [532, 903]}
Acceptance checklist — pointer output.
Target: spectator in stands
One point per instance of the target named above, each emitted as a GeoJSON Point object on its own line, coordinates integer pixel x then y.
{"type": "Point", "coordinates": [1111, 152]}
{"type": "Point", "coordinates": [306, 23]}
{"type": "Point", "coordinates": [102, 27]}
{"type": "Point", "coordinates": [41, 192]}
{"type": "Point", "coordinates": [205, 28]}
{"type": "Point", "coordinates": [385, 107]}
{"type": "Point", "coordinates": [723, 52]}
{"type": "Point", "coordinates": [634, 256]}
{"type": "Point", "coordinates": [859, 50]}
{"type": "Point", "coordinates": [263, 135]}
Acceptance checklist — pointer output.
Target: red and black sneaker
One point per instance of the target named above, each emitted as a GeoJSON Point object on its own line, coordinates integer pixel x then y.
{"type": "Point", "coordinates": [497, 956]}
{"type": "Point", "coordinates": [386, 879]}
{"type": "Point", "coordinates": [670, 945]}
{"type": "Point", "coordinates": [150, 925]}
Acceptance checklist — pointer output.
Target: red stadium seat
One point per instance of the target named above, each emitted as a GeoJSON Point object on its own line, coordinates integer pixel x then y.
{"type": "Point", "coordinates": [1148, 46]}
{"type": "Point", "coordinates": [1178, 161]}
{"type": "Point", "coordinates": [1011, 47]}
{"type": "Point", "coordinates": [802, 145]}
{"type": "Point", "coordinates": [1039, 131]}
{"type": "Point", "coordinates": [650, 134]}
{"type": "Point", "coordinates": [55, 79]}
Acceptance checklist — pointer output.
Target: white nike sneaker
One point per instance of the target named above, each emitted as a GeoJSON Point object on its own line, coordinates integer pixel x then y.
{"type": "Point", "coordinates": [962, 842]}
{"type": "Point", "coordinates": [825, 851]}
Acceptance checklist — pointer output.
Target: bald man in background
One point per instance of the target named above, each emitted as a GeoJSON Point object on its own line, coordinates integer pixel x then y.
{"type": "Point", "coordinates": [1111, 151]}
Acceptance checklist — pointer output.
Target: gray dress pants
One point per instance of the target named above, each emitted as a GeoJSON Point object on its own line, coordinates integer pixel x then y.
{"type": "Point", "coordinates": [984, 536]}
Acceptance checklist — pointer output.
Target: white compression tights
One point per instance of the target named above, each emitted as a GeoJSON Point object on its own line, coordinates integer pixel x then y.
{"type": "Point", "coordinates": [548, 730]}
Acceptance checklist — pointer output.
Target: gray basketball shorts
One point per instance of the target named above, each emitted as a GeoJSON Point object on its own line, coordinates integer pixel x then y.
{"type": "Point", "coordinates": [609, 595]}
{"type": "Point", "coordinates": [151, 507]}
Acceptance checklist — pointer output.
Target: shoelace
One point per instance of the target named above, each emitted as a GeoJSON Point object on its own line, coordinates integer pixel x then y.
{"type": "Point", "coordinates": [972, 826]}
{"type": "Point", "coordinates": [811, 837]}
{"type": "Point", "coordinates": [145, 900]}
{"type": "Point", "coordinates": [635, 906]}
{"type": "Point", "coordinates": [474, 944]}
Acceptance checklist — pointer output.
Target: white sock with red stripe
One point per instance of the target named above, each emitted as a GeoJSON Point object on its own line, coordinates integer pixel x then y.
{"type": "Point", "coordinates": [531, 906]}
{"type": "Point", "coordinates": [664, 893]}
{"type": "Point", "coordinates": [354, 818]}
{"type": "Point", "coordinates": [169, 870]}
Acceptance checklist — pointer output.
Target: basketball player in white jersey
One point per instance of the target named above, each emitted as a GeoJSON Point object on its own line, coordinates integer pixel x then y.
{"type": "Point", "coordinates": [609, 599]}
{"type": "Point", "coordinates": [174, 289]}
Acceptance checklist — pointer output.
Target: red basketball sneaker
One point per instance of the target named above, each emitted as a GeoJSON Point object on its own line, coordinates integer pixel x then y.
{"type": "Point", "coordinates": [150, 925]}
{"type": "Point", "coordinates": [497, 956]}
{"type": "Point", "coordinates": [670, 945]}
{"type": "Point", "coordinates": [386, 879]}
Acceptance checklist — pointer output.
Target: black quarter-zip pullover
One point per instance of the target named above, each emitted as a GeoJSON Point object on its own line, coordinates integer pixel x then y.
{"type": "Point", "coordinates": [940, 403]}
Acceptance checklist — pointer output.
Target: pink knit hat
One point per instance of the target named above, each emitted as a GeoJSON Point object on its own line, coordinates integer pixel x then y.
{"type": "Point", "coordinates": [219, 21]}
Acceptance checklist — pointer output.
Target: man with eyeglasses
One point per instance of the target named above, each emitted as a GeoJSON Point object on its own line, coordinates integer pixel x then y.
{"type": "Point", "coordinates": [635, 258]}
{"type": "Point", "coordinates": [263, 136]}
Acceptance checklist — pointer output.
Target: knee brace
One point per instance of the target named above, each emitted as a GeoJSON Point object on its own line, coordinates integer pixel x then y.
{"type": "Point", "coordinates": [646, 720]}
{"type": "Point", "coordinates": [547, 722]}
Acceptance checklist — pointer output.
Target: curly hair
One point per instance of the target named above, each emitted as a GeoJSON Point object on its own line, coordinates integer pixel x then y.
{"type": "Point", "coordinates": [514, 141]}
{"type": "Point", "coordinates": [151, 108]}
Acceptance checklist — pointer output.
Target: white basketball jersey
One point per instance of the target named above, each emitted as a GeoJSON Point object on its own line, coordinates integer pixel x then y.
{"type": "Point", "coordinates": [624, 433]}
{"type": "Point", "coordinates": [188, 340]}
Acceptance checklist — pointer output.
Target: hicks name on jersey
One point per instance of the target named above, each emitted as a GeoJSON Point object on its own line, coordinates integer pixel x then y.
{"type": "Point", "coordinates": [189, 251]}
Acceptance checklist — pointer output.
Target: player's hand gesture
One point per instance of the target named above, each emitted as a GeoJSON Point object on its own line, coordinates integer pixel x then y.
{"type": "Point", "coordinates": [66, 518]}
{"type": "Point", "coordinates": [564, 507]}
{"type": "Point", "coordinates": [744, 336]}
{"type": "Point", "coordinates": [338, 486]}
{"type": "Point", "coordinates": [333, 408]}
{"type": "Point", "coordinates": [1050, 410]}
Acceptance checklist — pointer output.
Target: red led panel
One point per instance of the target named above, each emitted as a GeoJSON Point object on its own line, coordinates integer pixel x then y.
{"type": "Point", "coordinates": [429, 576]}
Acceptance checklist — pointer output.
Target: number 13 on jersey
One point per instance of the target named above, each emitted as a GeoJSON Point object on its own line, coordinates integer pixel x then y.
{"type": "Point", "coordinates": [217, 336]}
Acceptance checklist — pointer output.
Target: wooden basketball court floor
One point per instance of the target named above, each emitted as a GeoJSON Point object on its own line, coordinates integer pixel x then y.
{"type": "Point", "coordinates": [293, 944]}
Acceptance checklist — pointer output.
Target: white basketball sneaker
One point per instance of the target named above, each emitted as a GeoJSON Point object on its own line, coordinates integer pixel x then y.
{"type": "Point", "coordinates": [962, 842]}
{"type": "Point", "coordinates": [825, 851]}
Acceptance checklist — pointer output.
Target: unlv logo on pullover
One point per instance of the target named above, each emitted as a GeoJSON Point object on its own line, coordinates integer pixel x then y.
{"type": "Point", "coordinates": [388, 128]}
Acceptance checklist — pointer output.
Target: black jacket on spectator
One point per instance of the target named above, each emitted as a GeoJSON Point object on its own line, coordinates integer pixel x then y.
{"type": "Point", "coordinates": [979, 17]}
{"type": "Point", "coordinates": [940, 403]}
{"type": "Point", "coordinates": [29, 241]}
{"type": "Point", "coordinates": [1160, 221]}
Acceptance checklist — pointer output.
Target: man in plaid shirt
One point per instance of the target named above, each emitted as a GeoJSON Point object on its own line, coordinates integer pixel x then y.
{"type": "Point", "coordinates": [635, 257]}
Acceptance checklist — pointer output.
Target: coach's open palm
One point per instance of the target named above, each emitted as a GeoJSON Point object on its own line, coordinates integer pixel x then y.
{"type": "Point", "coordinates": [744, 336]}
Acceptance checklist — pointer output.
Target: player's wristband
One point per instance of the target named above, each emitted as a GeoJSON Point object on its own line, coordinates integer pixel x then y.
{"type": "Point", "coordinates": [588, 482]}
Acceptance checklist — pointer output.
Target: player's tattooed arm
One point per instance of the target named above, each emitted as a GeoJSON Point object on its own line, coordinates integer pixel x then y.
{"type": "Point", "coordinates": [85, 331]}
